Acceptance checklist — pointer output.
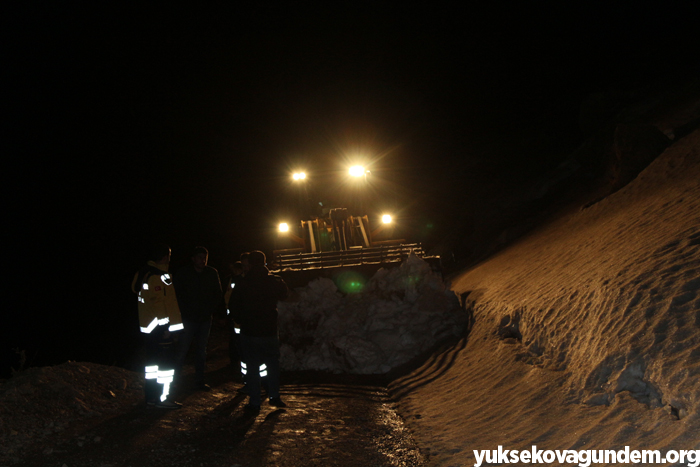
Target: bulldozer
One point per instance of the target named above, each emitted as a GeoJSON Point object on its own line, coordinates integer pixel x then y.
{"type": "Point", "coordinates": [341, 247]}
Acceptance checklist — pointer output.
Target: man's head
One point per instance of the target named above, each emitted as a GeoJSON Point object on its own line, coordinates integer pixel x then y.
{"type": "Point", "coordinates": [245, 261]}
{"type": "Point", "coordinates": [257, 259]}
{"type": "Point", "coordinates": [160, 254]}
{"type": "Point", "coordinates": [200, 255]}
{"type": "Point", "coordinates": [237, 268]}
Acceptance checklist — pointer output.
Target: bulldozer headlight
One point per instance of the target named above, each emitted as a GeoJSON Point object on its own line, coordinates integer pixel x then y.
{"type": "Point", "coordinates": [284, 227]}
{"type": "Point", "coordinates": [386, 219]}
{"type": "Point", "coordinates": [299, 176]}
{"type": "Point", "coordinates": [357, 171]}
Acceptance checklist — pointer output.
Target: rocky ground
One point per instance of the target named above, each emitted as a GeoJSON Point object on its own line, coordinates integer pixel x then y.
{"type": "Point", "coordinates": [84, 414]}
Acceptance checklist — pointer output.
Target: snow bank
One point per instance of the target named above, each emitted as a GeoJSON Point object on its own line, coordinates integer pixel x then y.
{"type": "Point", "coordinates": [400, 313]}
{"type": "Point", "coordinates": [586, 333]}
{"type": "Point", "coordinates": [39, 403]}
{"type": "Point", "coordinates": [610, 295]}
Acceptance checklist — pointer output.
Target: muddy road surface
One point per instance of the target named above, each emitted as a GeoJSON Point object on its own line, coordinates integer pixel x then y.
{"type": "Point", "coordinates": [329, 421]}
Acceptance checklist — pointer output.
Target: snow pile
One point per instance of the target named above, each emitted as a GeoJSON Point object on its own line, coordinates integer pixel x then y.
{"type": "Point", "coordinates": [586, 332]}
{"type": "Point", "coordinates": [38, 403]}
{"type": "Point", "coordinates": [400, 313]}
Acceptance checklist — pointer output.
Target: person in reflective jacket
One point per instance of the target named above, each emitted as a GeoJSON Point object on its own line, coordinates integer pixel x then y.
{"type": "Point", "coordinates": [234, 346]}
{"type": "Point", "coordinates": [253, 304]}
{"type": "Point", "coordinates": [159, 317]}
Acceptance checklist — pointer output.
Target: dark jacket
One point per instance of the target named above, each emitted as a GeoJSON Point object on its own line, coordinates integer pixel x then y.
{"type": "Point", "coordinates": [253, 302]}
{"type": "Point", "coordinates": [198, 293]}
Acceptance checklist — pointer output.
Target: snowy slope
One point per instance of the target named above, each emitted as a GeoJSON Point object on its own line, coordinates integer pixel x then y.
{"type": "Point", "coordinates": [587, 331]}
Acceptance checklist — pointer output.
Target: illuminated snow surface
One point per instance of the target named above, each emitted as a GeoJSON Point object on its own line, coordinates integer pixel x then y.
{"type": "Point", "coordinates": [400, 313]}
{"type": "Point", "coordinates": [586, 334]}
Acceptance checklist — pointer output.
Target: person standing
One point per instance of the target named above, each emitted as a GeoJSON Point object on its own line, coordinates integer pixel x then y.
{"type": "Point", "coordinates": [199, 296]}
{"type": "Point", "coordinates": [234, 346]}
{"type": "Point", "coordinates": [244, 269]}
{"type": "Point", "coordinates": [253, 304]}
{"type": "Point", "coordinates": [159, 317]}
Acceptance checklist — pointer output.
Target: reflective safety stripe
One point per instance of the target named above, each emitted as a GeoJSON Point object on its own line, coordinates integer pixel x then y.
{"type": "Point", "coordinates": [244, 368]}
{"type": "Point", "coordinates": [141, 300]}
{"type": "Point", "coordinates": [165, 374]}
{"type": "Point", "coordinates": [263, 370]}
{"type": "Point", "coordinates": [145, 286]}
{"type": "Point", "coordinates": [166, 279]}
{"type": "Point", "coordinates": [238, 330]}
{"type": "Point", "coordinates": [151, 372]}
{"type": "Point", "coordinates": [150, 327]}
{"type": "Point", "coordinates": [228, 312]}
{"type": "Point", "coordinates": [165, 377]}
{"type": "Point", "coordinates": [176, 327]}
{"type": "Point", "coordinates": [159, 322]}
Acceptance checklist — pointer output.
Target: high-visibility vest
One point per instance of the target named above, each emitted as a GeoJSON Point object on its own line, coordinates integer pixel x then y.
{"type": "Point", "coordinates": [157, 301]}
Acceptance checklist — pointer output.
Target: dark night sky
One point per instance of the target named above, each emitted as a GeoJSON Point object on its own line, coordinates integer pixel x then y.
{"type": "Point", "coordinates": [129, 125]}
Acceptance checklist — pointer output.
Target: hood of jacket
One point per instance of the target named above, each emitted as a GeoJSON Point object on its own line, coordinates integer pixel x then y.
{"type": "Point", "coordinates": [162, 267]}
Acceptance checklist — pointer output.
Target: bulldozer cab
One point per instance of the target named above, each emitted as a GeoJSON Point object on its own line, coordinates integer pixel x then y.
{"type": "Point", "coordinates": [337, 243]}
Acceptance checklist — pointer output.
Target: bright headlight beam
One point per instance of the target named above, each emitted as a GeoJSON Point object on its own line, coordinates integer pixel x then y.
{"type": "Point", "coordinates": [284, 227]}
{"type": "Point", "coordinates": [357, 171]}
{"type": "Point", "coordinates": [299, 176]}
{"type": "Point", "coordinates": [386, 219]}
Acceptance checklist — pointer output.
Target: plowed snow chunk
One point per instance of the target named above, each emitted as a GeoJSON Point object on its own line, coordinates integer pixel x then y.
{"type": "Point", "coordinates": [39, 402]}
{"type": "Point", "coordinates": [400, 313]}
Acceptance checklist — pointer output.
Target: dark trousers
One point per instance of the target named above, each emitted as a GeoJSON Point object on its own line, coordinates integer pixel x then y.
{"type": "Point", "coordinates": [261, 356]}
{"type": "Point", "coordinates": [199, 332]}
{"type": "Point", "coordinates": [234, 347]}
{"type": "Point", "coordinates": [160, 363]}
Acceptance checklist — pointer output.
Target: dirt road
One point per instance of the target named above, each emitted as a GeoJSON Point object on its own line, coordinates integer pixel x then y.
{"type": "Point", "coordinates": [329, 421]}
